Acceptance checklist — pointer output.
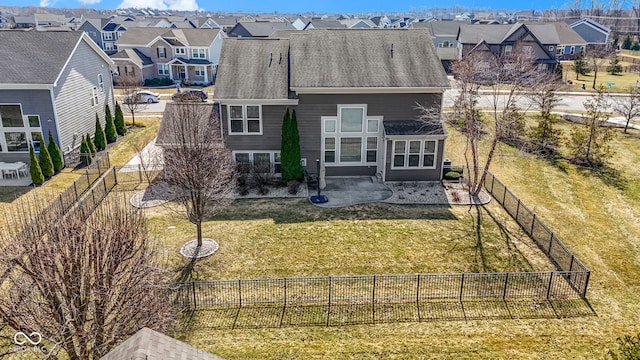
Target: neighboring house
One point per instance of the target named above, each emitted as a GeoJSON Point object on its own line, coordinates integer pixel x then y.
{"type": "Point", "coordinates": [187, 55]}
{"type": "Point", "coordinates": [47, 22]}
{"type": "Point", "coordinates": [150, 344]}
{"type": "Point", "coordinates": [360, 116]}
{"type": "Point", "coordinates": [104, 32]}
{"type": "Point", "coordinates": [559, 38]}
{"type": "Point", "coordinates": [592, 32]}
{"type": "Point", "coordinates": [324, 24]}
{"type": "Point", "coordinates": [381, 21]}
{"type": "Point", "coordinates": [298, 24]}
{"type": "Point", "coordinates": [500, 40]}
{"type": "Point", "coordinates": [255, 29]}
{"type": "Point", "coordinates": [59, 93]}
{"type": "Point", "coordinates": [204, 23]}
{"type": "Point", "coordinates": [5, 22]}
{"type": "Point", "coordinates": [444, 35]}
{"type": "Point", "coordinates": [226, 23]}
{"type": "Point", "coordinates": [24, 22]}
{"type": "Point", "coordinates": [358, 23]}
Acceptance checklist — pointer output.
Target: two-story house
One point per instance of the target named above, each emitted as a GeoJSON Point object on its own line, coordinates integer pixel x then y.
{"type": "Point", "coordinates": [355, 94]}
{"type": "Point", "coordinates": [501, 39]}
{"type": "Point", "coordinates": [592, 32]}
{"type": "Point", "coordinates": [103, 32]}
{"type": "Point", "coordinates": [182, 55]}
{"type": "Point", "coordinates": [444, 35]}
{"type": "Point", "coordinates": [558, 38]}
{"type": "Point", "coordinates": [60, 93]}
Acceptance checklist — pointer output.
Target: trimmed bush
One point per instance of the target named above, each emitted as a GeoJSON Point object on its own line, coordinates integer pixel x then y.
{"type": "Point", "coordinates": [99, 140]}
{"type": "Point", "coordinates": [90, 146]}
{"type": "Point", "coordinates": [165, 81]}
{"type": "Point", "coordinates": [452, 175]}
{"type": "Point", "coordinates": [109, 127]}
{"type": "Point", "coordinates": [46, 165]}
{"type": "Point", "coordinates": [56, 154]}
{"type": "Point", "coordinates": [118, 121]}
{"type": "Point", "coordinates": [34, 168]}
{"type": "Point", "coordinates": [290, 148]}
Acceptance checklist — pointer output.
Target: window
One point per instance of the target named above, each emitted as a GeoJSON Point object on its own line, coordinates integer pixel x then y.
{"type": "Point", "coordinates": [162, 52]}
{"type": "Point", "coordinates": [351, 138]}
{"type": "Point", "coordinates": [245, 119]}
{"type": "Point", "coordinates": [551, 48]}
{"type": "Point", "coordinates": [507, 50]}
{"type": "Point", "coordinates": [35, 140]}
{"type": "Point", "coordinates": [109, 46]}
{"type": "Point", "coordinates": [198, 53]}
{"type": "Point", "coordinates": [560, 50]}
{"type": "Point", "coordinates": [11, 116]}
{"type": "Point", "coordinates": [94, 96]}
{"type": "Point", "coordinates": [199, 70]}
{"type": "Point", "coordinates": [128, 71]}
{"type": "Point", "coordinates": [16, 141]}
{"type": "Point", "coordinates": [107, 36]}
{"type": "Point", "coordinates": [34, 120]}
{"type": "Point", "coordinates": [444, 44]}
{"type": "Point", "coordinates": [100, 83]}
{"type": "Point", "coordinates": [265, 161]}
{"type": "Point", "coordinates": [414, 154]}
{"type": "Point", "coordinates": [163, 69]}
{"type": "Point", "coordinates": [180, 51]}
{"type": "Point", "coordinates": [573, 50]}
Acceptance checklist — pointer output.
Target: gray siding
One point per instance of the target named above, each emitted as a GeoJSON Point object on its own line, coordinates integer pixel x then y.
{"type": "Point", "coordinates": [309, 111]}
{"type": "Point", "coordinates": [73, 96]}
{"type": "Point", "coordinates": [417, 174]}
{"type": "Point", "coordinates": [92, 32]}
{"type": "Point", "coordinates": [590, 35]}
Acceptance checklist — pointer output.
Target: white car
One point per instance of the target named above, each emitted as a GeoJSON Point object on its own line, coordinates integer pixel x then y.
{"type": "Point", "coordinates": [143, 96]}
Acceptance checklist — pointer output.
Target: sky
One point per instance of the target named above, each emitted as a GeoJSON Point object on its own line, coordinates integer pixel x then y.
{"type": "Point", "coordinates": [288, 6]}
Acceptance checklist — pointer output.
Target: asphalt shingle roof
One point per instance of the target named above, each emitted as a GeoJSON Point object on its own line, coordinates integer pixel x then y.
{"type": "Point", "coordinates": [492, 34]}
{"type": "Point", "coordinates": [141, 36]}
{"type": "Point", "coordinates": [22, 60]}
{"type": "Point", "coordinates": [264, 28]}
{"type": "Point", "coordinates": [365, 58]}
{"type": "Point", "coordinates": [253, 69]}
{"type": "Point", "coordinates": [150, 344]}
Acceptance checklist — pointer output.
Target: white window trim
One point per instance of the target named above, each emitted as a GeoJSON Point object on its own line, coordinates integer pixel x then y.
{"type": "Point", "coordinates": [363, 135]}
{"type": "Point", "coordinates": [272, 157]}
{"type": "Point", "coordinates": [180, 51]}
{"type": "Point", "coordinates": [199, 51]}
{"type": "Point", "coordinates": [164, 52]}
{"type": "Point", "coordinates": [25, 128]}
{"type": "Point", "coordinates": [109, 46]}
{"type": "Point", "coordinates": [107, 35]}
{"type": "Point", "coordinates": [507, 50]}
{"type": "Point", "coordinates": [245, 123]}
{"type": "Point", "coordinates": [94, 96]}
{"type": "Point", "coordinates": [163, 69]}
{"type": "Point", "coordinates": [199, 70]}
{"type": "Point", "coordinates": [421, 155]}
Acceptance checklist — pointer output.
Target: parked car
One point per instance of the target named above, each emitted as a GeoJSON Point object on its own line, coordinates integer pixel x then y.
{"type": "Point", "coordinates": [190, 95]}
{"type": "Point", "coordinates": [143, 96]}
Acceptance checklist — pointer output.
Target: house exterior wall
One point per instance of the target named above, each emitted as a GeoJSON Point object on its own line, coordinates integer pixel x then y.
{"type": "Point", "coordinates": [120, 68]}
{"type": "Point", "coordinates": [590, 35]}
{"type": "Point", "coordinates": [239, 31]}
{"type": "Point", "coordinates": [414, 174]}
{"type": "Point", "coordinates": [309, 112]}
{"type": "Point", "coordinates": [92, 32]}
{"type": "Point", "coordinates": [215, 49]}
{"type": "Point", "coordinates": [153, 52]}
{"type": "Point", "coordinates": [76, 115]}
{"type": "Point", "coordinates": [33, 102]}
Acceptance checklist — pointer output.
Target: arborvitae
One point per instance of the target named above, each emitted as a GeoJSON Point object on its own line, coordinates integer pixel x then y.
{"type": "Point", "coordinates": [55, 153]}
{"type": "Point", "coordinates": [90, 146]}
{"type": "Point", "coordinates": [99, 140]}
{"type": "Point", "coordinates": [109, 127]}
{"type": "Point", "coordinates": [85, 151]}
{"type": "Point", "coordinates": [36, 173]}
{"type": "Point", "coordinates": [290, 149]}
{"type": "Point", "coordinates": [121, 129]}
{"type": "Point", "coordinates": [296, 166]}
{"type": "Point", "coordinates": [46, 165]}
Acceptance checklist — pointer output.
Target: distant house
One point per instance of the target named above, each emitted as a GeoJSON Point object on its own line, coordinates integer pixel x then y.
{"type": "Point", "coordinates": [559, 38]}
{"type": "Point", "coordinates": [24, 22]}
{"type": "Point", "coordinates": [52, 22]}
{"type": "Point", "coordinates": [444, 35]}
{"type": "Point", "coordinates": [592, 32]}
{"type": "Point", "coordinates": [360, 116]}
{"type": "Point", "coordinates": [255, 29]}
{"type": "Point", "coordinates": [59, 93]}
{"type": "Point", "coordinates": [381, 21]}
{"type": "Point", "coordinates": [186, 55]}
{"type": "Point", "coordinates": [324, 24]}
{"type": "Point", "coordinates": [150, 344]}
{"type": "Point", "coordinates": [358, 23]}
{"type": "Point", "coordinates": [500, 40]}
{"type": "Point", "coordinates": [5, 22]}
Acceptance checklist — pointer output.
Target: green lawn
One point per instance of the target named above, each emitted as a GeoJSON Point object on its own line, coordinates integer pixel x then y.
{"type": "Point", "coordinates": [595, 213]}
{"type": "Point", "coordinates": [620, 83]}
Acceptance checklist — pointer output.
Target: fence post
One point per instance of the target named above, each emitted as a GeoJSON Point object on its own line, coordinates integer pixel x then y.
{"type": "Point", "coordinates": [571, 265]}
{"type": "Point", "coordinates": [193, 290]}
{"type": "Point", "coordinates": [461, 286]}
{"type": "Point", "coordinates": [140, 173]}
{"type": "Point", "coordinates": [329, 309]}
{"type": "Point", "coordinates": [240, 293]}
{"type": "Point", "coordinates": [517, 210]}
{"type": "Point", "coordinates": [284, 305]}
{"type": "Point", "coordinates": [115, 176]}
{"type": "Point", "coordinates": [75, 190]}
{"type": "Point", "coordinates": [586, 284]}
{"type": "Point", "coordinates": [504, 194]}
{"type": "Point", "coordinates": [418, 296]}
{"type": "Point", "coordinates": [88, 178]}
{"type": "Point", "coordinates": [373, 300]}
{"type": "Point", "coordinates": [550, 244]}
{"type": "Point", "coordinates": [549, 287]}
{"type": "Point", "coordinates": [533, 223]}
{"type": "Point", "coordinates": [504, 291]}
{"type": "Point", "coordinates": [493, 180]}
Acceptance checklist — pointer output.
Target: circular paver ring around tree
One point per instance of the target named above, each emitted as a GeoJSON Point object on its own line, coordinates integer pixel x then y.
{"type": "Point", "coordinates": [190, 249]}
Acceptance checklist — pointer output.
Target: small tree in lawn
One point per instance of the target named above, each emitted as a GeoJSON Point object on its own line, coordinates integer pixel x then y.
{"type": "Point", "coordinates": [626, 44]}
{"type": "Point", "coordinates": [628, 106]}
{"type": "Point", "coordinates": [46, 165]}
{"type": "Point", "coordinates": [198, 168]}
{"type": "Point", "coordinates": [99, 140]}
{"type": "Point", "coordinates": [36, 173]}
{"type": "Point", "coordinates": [589, 143]}
{"type": "Point", "coordinates": [543, 137]}
{"type": "Point", "coordinates": [56, 154]}
{"type": "Point", "coordinates": [85, 151]}
{"type": "Point", "coordinates": [614, 67]}
{"type": "Point", "coordinates": [580, 66]}
{"type": "Point", "coordinates": [109, 127]}
{"type": "Point", "coordinates": [121, 129]}
{"type": "Point", "coordinates": [129, 85]}
{"type": "Point", "coordinates": [90, 146]}
{"type": "Point", "coordinates": [290, 148]}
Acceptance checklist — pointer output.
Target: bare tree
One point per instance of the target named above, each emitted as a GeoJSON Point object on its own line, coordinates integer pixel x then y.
{"type": "Point", "coordinates": [589, 143]}
{"type": "Point", "coordinates": [505, 76]}
{"type": "Point", "coordinates": [544, 138]}
{"type": "Point", "coordinates": [597, 59]}
{"type": "Point", "coordinates": [129, 85]}
{"type": "Point", "coordinates": [84, 284]}
{"type": "Point", "coordinates": [628, 105]}
{"type": "Point", "coordinates": [198, 167]}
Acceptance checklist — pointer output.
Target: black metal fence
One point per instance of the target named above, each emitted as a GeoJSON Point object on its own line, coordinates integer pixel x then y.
{"type": "Point", "coordinates": [574, 271]}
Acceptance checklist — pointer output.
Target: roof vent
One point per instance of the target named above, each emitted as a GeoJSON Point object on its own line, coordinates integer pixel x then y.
{"type": "Point", "coordinates": [280, 61]}
{"type": "Point", "coordinates": [391, 50]}
{"type": "Point", "coordinates": [270, 59]}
